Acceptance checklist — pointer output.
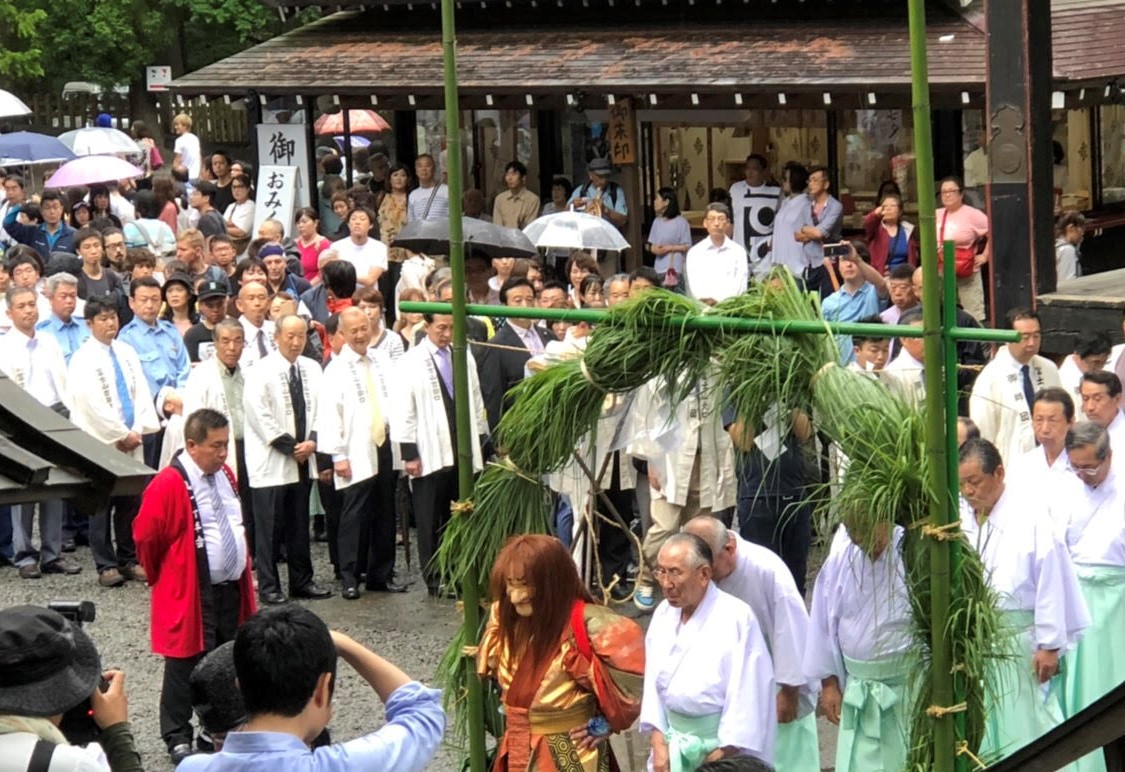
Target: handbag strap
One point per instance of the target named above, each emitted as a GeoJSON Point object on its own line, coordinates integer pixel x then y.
{"type": "Point", "coordinates": [41, 756]}
{"type": "Point", "coordinates": [578, 627]}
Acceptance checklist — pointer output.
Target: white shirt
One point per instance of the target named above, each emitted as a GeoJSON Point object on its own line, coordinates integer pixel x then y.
{"type": "Point", "coordinates": [753, 210]}
{"type": "Point", "coordinates": [201, 487]}
{"type": "Point", "coordinates": [904, 374]}
{"type": "Point", "coordinates": [95, 404]}
{"type": "Point", "coordinates": [36, 365]}
{"type": "Point", "coordinates": [1057, 486]}
{"type": "Point", "coordinates": [370, 254]}
{"type": "Point", "coordinates": [242, 215]}
{"type": "Point", "coordinates": [716, 271]}
{"type": "Point", "coordinates": [1096, 532]}
{"type": "Point", "coordinates": [1029, 567]}
{"type": "Point", "coordinates": [187, 145]}
{"type": "Point", "coordinates": [251, 334]}
{"type": "Point", "coordinates": [998, 406]}
{"type": "Point", "coordinates": [860, 609]}
{"type": "Point", "coordinates": [419, 198]}
{"type": "Point", "coordinates": [1071, 376]}
{"type": "Point", "coordinates": [715, 662]}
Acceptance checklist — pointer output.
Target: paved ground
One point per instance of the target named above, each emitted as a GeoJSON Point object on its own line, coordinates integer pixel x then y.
{"type": "Point", "coordinates": [411, 629]}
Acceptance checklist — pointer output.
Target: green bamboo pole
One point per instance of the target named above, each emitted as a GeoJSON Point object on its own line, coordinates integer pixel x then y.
{"type": "Point", "coordinates": [941, 648]}
{"type": "Point", "coordinates": [474, 702]}
{"type": "Point", "coordinates": [717, 323]}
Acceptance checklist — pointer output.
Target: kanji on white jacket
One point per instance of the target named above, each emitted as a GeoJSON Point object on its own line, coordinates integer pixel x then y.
{"type": "Point", "coordinates": [269, 415]}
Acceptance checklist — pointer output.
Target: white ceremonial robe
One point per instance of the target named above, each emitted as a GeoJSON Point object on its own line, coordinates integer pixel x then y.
{"type": "Point", "coordinates": [997, 404]}
{"type": "Point", "coordinates": [418, 413]}
{"type": "Point", "coordinates": [904, 376]}
{"type": "Point", "coordinates": [39, 370]}
{"type": "Point", "coordinates": [860, 609]}
{"type": "Point", "coordinates": [1029, 567]}
{"type": "Point", "coordinates": [1070, 376]}
{"type": "Point", "coordinates": [268, 410]}
{"type": "Point", "coordinates": [344, 414]}
{"type": "Point", "coordinates": [204, 388]}
{"type": "Point", "coordinates": [716, 662]}
{"type": "Point", "coordinates": [1116, 431]}
{"type": "Point", "coordinates": [1054, 484]}
{"type": "Point", "coordinates": [670, 440]}
{"type": "Point", "coordinates": [1095, 534]}
{"type": "Point", "coordinates": [95, 407]}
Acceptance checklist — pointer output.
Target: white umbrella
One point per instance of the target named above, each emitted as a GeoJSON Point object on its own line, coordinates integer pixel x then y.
{"type": "Point", "coordinates": [575, 230]}
{"type": "Point", "coordinates": [11, 106]}
{"type": "Point", "coordinates": [99, 140]}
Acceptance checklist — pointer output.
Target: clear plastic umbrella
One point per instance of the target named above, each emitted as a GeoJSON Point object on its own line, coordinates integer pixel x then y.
{"type": "Point", "coordinates": [11, 106]}
{"type": "Point", "coordinates": [99, 140]}
{"type": "Point", "coordinates": [575, 230]}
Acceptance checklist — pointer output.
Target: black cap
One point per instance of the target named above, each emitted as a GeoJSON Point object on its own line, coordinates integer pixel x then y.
{"type": "Point", "coordinates": [213, 289]}
{"type": "Point", "coordinates": [47, 663]}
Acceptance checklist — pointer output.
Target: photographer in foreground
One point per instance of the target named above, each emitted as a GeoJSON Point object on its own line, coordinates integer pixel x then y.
{"type": "Point", "coordinates": [48, 665]}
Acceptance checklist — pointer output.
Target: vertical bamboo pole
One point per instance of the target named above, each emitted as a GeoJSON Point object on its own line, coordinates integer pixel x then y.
{"type": "Point", "coordinates": [940, 645]}
{"type": "Point", "coordinates": [465, 438]}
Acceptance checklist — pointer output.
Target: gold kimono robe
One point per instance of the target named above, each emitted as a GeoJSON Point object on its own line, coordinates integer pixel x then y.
{"type": "Point", "coordinates": [598, 669]}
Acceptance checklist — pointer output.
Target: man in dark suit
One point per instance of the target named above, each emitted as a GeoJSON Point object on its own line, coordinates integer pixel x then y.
{"type": "Point", "coordinates": [501, 362]}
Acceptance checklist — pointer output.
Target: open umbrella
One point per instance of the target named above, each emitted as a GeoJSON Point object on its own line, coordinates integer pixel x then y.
{"type": "Point", "coordinates": [92, 169]}
{"type": "Point", "coordinates": [361, 122]}
{"type": "Point", "coordinates": [26, 147]}
{"type": "Point", "coordinates": [357, 142]}
{"type": "Point", "coordinates": [484, 238]}
{"type": "Point", "coordinates": [99, 140]}
{"type": "Point", "coordinates": [11, 106]}
{"type": "Point", "coordinates": [575, 230]}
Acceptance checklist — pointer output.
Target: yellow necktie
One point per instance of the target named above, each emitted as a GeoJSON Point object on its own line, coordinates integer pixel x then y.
{"type": "Point", "coordinates": [378, 430]}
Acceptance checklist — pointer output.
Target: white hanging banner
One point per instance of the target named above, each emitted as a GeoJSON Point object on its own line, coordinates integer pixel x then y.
{"type": "Point", "coordinates": [281, 144]}
{"type": "Point", "coordinates": [277, 195]}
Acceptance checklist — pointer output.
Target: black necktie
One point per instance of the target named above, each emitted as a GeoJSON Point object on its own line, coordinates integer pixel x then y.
{"type": "Point", "coordinates": [262, 351]}
{"type": "Point", "coordinates": [1028, 389]}
{"type": "Point", "coordinates": [298, 396]}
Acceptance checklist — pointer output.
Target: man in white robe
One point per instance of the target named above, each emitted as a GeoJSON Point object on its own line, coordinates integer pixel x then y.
{"type": "Point", "coordinates": [423, 423]}
{"type": "Point", "coordinates": [1045, 469]}
{"type": "Point", "coordinates": [1002, 394]}
{"type": "Point", "coordinates": [352, 429]}
{"type": "Point", "coordinates": [690, 468]}
{"type": "Point", "coordinates": [1092, 351]}
{"type": "Point", "coordinates": [709, 691]}
{"type": "Point", "coordinates": [279, 403]}
{"type": "Point", "coordinates": [1030, 570]}
{"type": "Point", "coordinates": [905, 373]}
{"type": "Point", "coordinates": [1100, 392]}
{"type": "Point", "coordinates": [858, 639]}
{"type": "Point", "coordinates": [761, 580]}
{"type": "Point", "coordinates": [35, 362]}
{"type": "Point", "coordinates": [110, 400]}
{"type": "Point", "coordinates": [1095, 538]}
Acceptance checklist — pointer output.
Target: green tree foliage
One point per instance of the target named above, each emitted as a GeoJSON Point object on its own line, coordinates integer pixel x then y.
{"type": "Point", "coordinates": [20, 52]}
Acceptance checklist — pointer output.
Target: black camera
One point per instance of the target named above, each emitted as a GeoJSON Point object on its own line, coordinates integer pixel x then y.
{"type": "Point", "coordinates": [77, 724]}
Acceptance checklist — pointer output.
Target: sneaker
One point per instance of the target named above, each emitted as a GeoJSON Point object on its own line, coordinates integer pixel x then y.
{"type": "Point", "coordinates": [136, 572]}
{"type": "Point", "coordinates": [643, 599]}
{"type": "Point", "coordinates": [111, 577]}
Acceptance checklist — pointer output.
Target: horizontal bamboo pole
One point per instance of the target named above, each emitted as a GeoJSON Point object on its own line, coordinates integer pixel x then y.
{"type": "Point", "coordinates": [718, 323]}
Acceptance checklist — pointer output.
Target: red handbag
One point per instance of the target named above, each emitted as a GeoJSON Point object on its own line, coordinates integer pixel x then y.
{"type": "Point", "coordinates": [964, 258]}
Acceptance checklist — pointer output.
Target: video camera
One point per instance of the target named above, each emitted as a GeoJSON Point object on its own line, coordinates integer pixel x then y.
{"type": "Point", "coordinates": [77, 724]}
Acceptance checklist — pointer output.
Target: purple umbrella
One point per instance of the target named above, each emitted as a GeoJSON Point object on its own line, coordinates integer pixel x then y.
{"type": "Point", "coordinates": [356, 141]}
{"type": "Point", "coordinates": [92, 169]}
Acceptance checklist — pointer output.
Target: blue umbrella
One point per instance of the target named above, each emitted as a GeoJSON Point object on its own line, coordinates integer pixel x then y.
{"type": "Point", "coordinates": [357, 142]}
{"type": "Point", "coordinates": [25, 147]}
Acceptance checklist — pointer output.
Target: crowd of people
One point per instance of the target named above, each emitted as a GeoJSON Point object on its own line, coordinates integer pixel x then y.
{"type": "Point", "coordinates": [284, 398]}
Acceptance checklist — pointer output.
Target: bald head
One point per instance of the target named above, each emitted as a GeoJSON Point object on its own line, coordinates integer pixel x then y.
{"type": "Point", "coordinates": [723, 544]}
{"type": "Point", "coordinates": [916, 280]}
{"type": "Point", "coordinates": [292, 334]}
{"type": "Point", "coordinates": [253, 301]}
{"type": "Point", "coordinates": [355, 327]}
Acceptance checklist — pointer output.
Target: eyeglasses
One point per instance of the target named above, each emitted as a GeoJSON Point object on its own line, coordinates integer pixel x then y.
{"type": "Point", "coordinates": [1084, 471]}
{"type": "Point", "coordinates": [675, 574]}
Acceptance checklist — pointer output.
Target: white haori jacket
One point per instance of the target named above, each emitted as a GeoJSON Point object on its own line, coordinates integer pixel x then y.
{"type": "Point", "coordinates": [268, 409]}
{"type": "Point", "coordinates": [670, 439]}
{"type": "Point", "coordinates": [95, 406]}
{"type": "Point", "coordinates": [343, 428]}
{"type": "Point", "coordinates": [204, 388]}
{"type": "Point", "coordinates": [998, 406]}
{"type": "Point", "coordinates": [48, 385]}
{"type": "Point", "coordinates": [716, 662]}
{"type": "Point", "coordinates": [418, 413]}
{"type": "Point", "coordinates": [1095, 535]}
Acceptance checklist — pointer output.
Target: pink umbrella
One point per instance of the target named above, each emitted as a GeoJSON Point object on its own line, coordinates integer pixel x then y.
{"type": "Point", "coordinates": [92, 169]}
{"type": "Point", "coordinates": [362, 122]}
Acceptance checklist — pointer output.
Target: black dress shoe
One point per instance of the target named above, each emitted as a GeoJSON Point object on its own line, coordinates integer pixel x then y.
{"type": "Point", "coordinates": [68, 545]}
{"type": "Point", "coordinates": [272, 598]}
{"type": "Point", "coordinates": [311, 591]}
{"type": "Point", "coordinates": [351, 593]}
{"type": "Point", "coordinates": [388, 587]}
{"type": "Point", "coordinates": [180, 752]}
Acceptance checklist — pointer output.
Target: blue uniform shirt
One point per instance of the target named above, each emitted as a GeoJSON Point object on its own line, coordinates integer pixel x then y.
{"type": "Point", "coordinates": [70, 335]}
{"type": "Point", "coordinates": [843, 306]}
{"type": "Point", "coordinates": [162, 352]}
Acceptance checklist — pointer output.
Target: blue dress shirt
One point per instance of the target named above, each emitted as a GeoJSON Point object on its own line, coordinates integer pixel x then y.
{"type": "Point", "coordinates": [163, 355]}
{"type": "Point", "coordinates": [843, 306]}
{"type": "Point", "coordinates": [406, 743]}
{"type": "Point", "coordinates": [70, 335]}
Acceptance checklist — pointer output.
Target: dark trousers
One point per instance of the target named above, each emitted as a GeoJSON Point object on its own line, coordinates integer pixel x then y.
{"type": "Point", "coordinates": [614, 545]}
{"type": "Point", "coordinates": [75, 523]}
{"type": "Point", "coordinates": [331, 501]}
{"type": "Point", "coordinates": [377, 531]}
{"type": "Point", "coordinates": [433, 495]}
{"type": "Point", "coordinates": [175, 693]}
{"type": "Point", "coordinates": [116, 521]}
{"type": "Point", "coordinates": [356, 507]}
{"type": "Point", "coordinates": [7, 552]}
{"type": "Point", "coordinates": [244, 493]}
{"type": "Point", "coordinates": [387, 283]}
{"type": "Point", "coordinates": [282, 511]}
{"type": "Point", "coordinates": [152, 444]}
{"type": "Point", "coordinates": [782, 524]}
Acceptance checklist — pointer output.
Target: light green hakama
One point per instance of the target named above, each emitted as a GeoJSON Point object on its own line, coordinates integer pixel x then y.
{"type": "Point", "coordinates": [797, 748]}
{"type": "Point", "coordinates": [874, 719]}
{"type": "Point", "coordinates": [1097, 665]}
{"type": "Point", "coordinates": [690, 739]}
{"type": "Point", "coordinates": [1019, 709]}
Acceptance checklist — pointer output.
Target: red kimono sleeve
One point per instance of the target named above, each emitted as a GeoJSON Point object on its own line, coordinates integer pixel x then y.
{"type": "Point", "coordinates": [614, 672]}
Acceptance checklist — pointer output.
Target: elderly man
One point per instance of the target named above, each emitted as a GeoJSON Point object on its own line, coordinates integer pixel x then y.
{"type": "Point", "coordinates": [352, 428]}
{"type": "Point", "coordinates": [1046, 466]}
{"type": "Point", "coordinates": [709, 691]}
{"type": "Point", "coordinates": [859, 632]}
{"type": "Point", "coordinates": [716, 268]}
{"type": "Point", "coordinates": [430, 200]}
{"type": "Point", "coordinates": [61, 291]}
{"type": "Point", "coordinates": [760, 579]}
{"type": "Point", "coordinates": [258, 331]}
{"type": "Point", "coordinates": [1030, 570]}
{"type": "Point", "coordinates": [1096, 542]}
{"type": "Point", "coordinates": [1100, 391]}
{"type": "Point", "coordinates": [501, 364]}
{"type": "Point", "coordinates": [1004, 390]}
{"type": "Point", "coordinates": [277, 272]}
{"type": "Point", "coordinates": [279, 402]}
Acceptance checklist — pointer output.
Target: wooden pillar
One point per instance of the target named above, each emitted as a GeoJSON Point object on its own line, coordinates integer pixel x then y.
{"type": "Point", "coordinates": [310, 143]}
{"type": "Point", "coordinates": [406, 137]}
{"type": "Point", "coordinates": [548, 141]}
{"type": "Point", "coordinates": [1018, 122]}
{"type": "Point", "coordinates": [948, 132]}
